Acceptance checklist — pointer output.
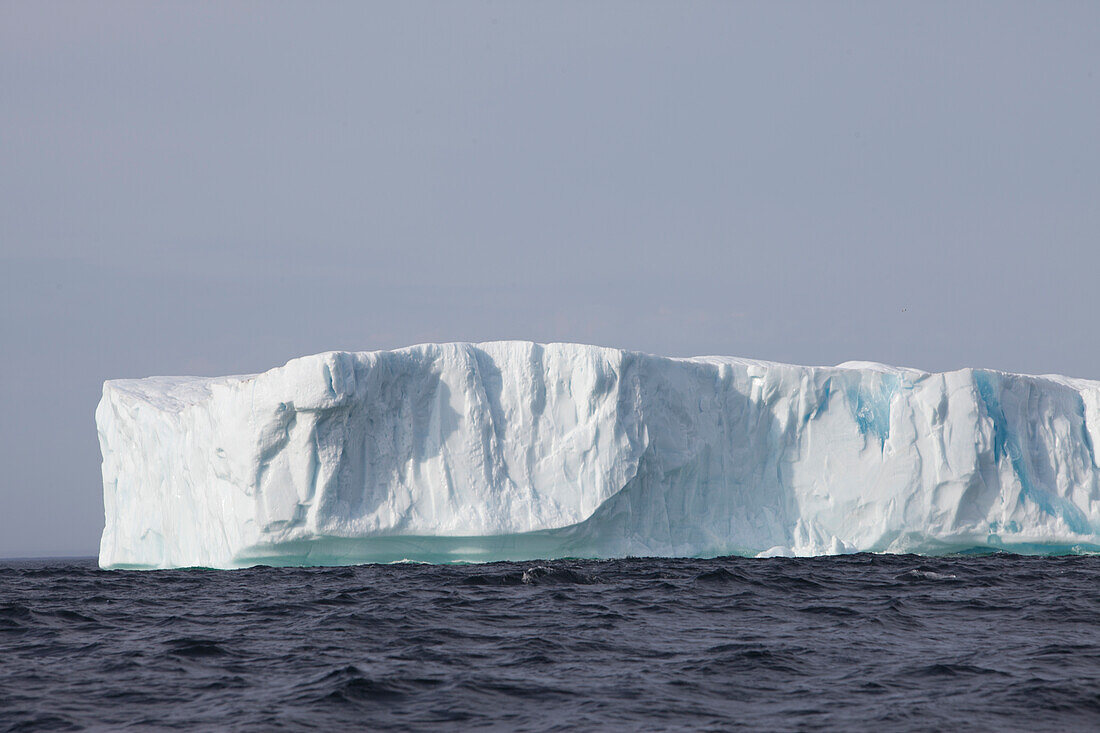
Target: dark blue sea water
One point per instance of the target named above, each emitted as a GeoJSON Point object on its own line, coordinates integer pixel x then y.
{"type": "Point", "coordinates": [860, 642]}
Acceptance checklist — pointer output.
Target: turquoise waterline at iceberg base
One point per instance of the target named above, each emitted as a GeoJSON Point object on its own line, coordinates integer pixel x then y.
{"type": "Point", "coordinates": [516, 451]}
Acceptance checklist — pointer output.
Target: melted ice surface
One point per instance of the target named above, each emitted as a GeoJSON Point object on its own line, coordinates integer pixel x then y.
{"type": "Point", "coordinates": [515, 450]}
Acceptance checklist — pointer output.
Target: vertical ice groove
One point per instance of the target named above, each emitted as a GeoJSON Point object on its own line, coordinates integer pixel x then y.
{"type": "Point", "coordinates": [514, 450]}
{"type": "Point", "coordinates": [1008, 444]}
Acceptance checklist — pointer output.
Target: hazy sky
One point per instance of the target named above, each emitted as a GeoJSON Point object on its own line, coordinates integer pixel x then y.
{"type": "Point", "coordinates": [212, 188]}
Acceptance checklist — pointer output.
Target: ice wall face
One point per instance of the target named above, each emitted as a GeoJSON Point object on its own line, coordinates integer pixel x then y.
{"type": "Point", "coordinates": [514, 450]}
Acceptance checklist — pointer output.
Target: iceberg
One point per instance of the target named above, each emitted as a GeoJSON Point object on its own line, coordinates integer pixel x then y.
{"type": "Point", "coordinates": [515, 451]}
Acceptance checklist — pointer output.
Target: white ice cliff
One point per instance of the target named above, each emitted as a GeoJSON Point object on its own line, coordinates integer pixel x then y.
{"type": "Point", "coordinates": [515, 450]}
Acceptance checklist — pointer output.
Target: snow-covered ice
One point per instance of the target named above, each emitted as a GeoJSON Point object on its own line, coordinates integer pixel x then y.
{"type": "Point", "coordinates": [515, 450]}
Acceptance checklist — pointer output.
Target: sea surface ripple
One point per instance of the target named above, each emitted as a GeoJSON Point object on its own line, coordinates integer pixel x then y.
{"type": "Point", "coordinates": [858, 642]}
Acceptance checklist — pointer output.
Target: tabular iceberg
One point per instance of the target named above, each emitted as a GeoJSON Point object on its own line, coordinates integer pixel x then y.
{"type": "Point", "coordinates": [516, 450]}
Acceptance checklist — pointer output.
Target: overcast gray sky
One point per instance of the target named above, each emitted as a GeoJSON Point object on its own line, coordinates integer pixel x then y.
{"type": "Point", "coordinates": [212, 188]}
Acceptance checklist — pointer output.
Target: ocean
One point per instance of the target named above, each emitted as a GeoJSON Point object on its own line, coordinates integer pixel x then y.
{"type": "Point", "coordinates": [855, 642]}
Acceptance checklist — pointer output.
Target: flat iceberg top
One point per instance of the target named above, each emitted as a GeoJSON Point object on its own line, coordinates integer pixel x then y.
{"type": "Point", "coordinates": [171, 393]}
{"type": "Point", "coordinates": [516, 450]}
{"type": "Point", "coordinates": [180, 390]}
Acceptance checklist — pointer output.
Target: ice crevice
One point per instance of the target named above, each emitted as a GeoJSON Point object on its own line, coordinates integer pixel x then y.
{"type": "Point", "coordinates": [516, 450]}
